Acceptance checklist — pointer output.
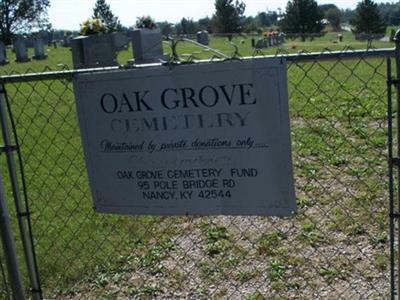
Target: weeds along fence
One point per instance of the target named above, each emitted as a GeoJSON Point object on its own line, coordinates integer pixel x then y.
{"type": "Point", "coordinates": [338, 245]}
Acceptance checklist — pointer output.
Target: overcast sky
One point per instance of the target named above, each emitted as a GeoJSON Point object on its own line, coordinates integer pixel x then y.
{"type": "Point", "coordinates": [68, 14]}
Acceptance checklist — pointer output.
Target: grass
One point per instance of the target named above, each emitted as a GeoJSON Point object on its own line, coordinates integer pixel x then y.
{"type": "Point", "coordinates": [269, 242]}
{"type": "Point", "coordinates": [217, 240]}
{"type": "Point", "coordinates": [338, 119]}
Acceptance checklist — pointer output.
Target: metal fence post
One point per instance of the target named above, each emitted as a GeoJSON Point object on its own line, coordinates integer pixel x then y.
{"type": "Point", "coordinates": [397, 58]}
{"type": "Point", "coordinates": [9, 248]}
{"type": "Point", "coordinates": [22, 214]}
{"type": "Point", "coordinates": [390, 82]}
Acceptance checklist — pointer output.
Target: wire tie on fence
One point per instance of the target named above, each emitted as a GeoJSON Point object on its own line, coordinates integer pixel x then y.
{"type": "Point", "coordinates": [394, 216]}
{"type": "Point", "coordinates": [8, 149]}
{"type": "Point", "coordinates": [393, 81]}
{"type": "Point", "coordinates": [23, 214]}
{"type": "Point", "coordinates": [395, 161]}
{"type": "Point", "coordinates": [36, 291]}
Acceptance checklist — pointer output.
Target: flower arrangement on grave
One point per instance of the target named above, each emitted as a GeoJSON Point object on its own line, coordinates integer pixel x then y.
{"type": "Point", "coordinates": [146, 22]}
{"type": "Point", "coordinates": [93, 27]}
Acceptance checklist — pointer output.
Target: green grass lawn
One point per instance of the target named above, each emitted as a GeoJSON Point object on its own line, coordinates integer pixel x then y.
{"type": "Point", "coordinates": [338, 240]}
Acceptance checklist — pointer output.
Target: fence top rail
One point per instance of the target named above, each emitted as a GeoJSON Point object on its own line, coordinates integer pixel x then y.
{"type": "Point", "coordinates": [326, 55]}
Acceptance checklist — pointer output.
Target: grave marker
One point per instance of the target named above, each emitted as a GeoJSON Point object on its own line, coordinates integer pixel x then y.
{"type": "Point", "coordinates": [121, 41]}
{"type": "Point", "coordinates": [202, 38]}
{"type": "Point", "coordinates": [282, 37]}
{"type": "Point", "coordinates": [93, 51]}
{"type": "Point", "coordinates": [66, 41]}
{"type": "Point", "coordinates": [21, 52]}
{"type": "Point", "coordinates": [3, 54]}
{"type": "Point", "coordinates": [38, 46]}
{"type": "Point", "coordinates": [261, 44]}
{"type": "Point", "coordinates": [147, 46]}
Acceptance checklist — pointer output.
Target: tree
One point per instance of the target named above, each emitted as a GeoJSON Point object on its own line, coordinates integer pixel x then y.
{"type": "Point", "coordinates": [267, 19]}
{"type": "Point", "coordinates": [103, 12]}
{"type": "Point", "coordinates": [250, 25]}
{"type": "Point", "coordinates": [390, 13]}
{"type": "Point", "coordinates": [228, 16]}
{"type": "Point", "coordinates": [205, 24]}
{"type": "Point", "coordinates": [334, 16]}
{"type": "Point", "coordinates": [326, 7]}
{"type": "Point", "coordinates": [263, 19]}
{"type": "Point", "coordinates": [187, 26]}
{"type": "Point", "coordinates": [367, 19]}
{"type": "Point", "coordinates": [347, 15]}
{"type": "Point", "coordinates": [302, 17]}
{"type": "Point", "coordinates": [22, 15]}
{"type": "Point", "coordinates": [166, 28]}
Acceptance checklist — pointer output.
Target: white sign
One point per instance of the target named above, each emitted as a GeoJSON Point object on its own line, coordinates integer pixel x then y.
{"type": "Point", "coordinates": [201, 139]}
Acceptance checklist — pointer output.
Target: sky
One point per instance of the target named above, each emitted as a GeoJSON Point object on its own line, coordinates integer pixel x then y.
{"type": "Point", "coordinates": [68, 14]}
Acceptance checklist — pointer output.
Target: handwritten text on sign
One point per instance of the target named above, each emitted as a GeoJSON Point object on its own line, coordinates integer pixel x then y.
{"type": "Point", "coordinates": [209, 138]}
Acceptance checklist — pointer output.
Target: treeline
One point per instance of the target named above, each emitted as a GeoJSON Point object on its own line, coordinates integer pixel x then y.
{"type": "Point", "coordinates": [390, 13]}
{"type": "Point", "coordinates": [298, 17]}
{"type": "Point", "coordinates": [258, 23]}
{"type": "Point", "coordinates": [331, 14]}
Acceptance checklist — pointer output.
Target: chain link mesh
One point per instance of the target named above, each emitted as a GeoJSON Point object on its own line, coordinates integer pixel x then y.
{"type": "Point", "coordinates": [5, 290]}
{"type": "Point", "coordinates": [336, 247]}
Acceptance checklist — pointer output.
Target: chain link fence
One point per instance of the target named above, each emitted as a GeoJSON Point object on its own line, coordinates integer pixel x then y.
{"type": "Point", "coordinates": [335, 247]}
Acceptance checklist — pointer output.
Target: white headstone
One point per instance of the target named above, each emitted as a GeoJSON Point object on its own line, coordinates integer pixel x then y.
{"type": "Point", "coordinates": [3, 54]}
{"type": "Point", "coordinates": [93, 51]}
{"type": "Point", "coordinates": [21, 52]}
{"type": "Point", "coordinates": [147, 46]}
{"type": "Point", "coordinates": [38, 46]}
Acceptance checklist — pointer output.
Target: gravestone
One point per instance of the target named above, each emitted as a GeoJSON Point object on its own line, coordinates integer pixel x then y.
{"type": "Point", "coordinates": [93, 51]}
{"type": "Point", "coordinates": [21, 52]}
{"type": "Point", "coordinates": [261, 44]}
{"type": "Point", "coordinates": [38, 46]}
{"type": "Point", "coordinates": [121, 41]}
{"type": "Point", "coordinates": [282, 37]}
{"type": "Point", "coordinates": [29, 42]}
{"type": "Point", "coordinates": [253, 42]}
{"type": "Point", "coordinates": [66, 41]}
{"type": "Point", "coordinates": [147, 46]}
{"type": "Point", "coordinates": [202, 38]}
{"type": "Point", "coordinates": [3, 54]}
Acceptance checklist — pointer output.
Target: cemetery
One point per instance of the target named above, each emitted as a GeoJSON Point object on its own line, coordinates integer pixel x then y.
{"type": "Point", "coordinates": [122, 46]}
{"type": "Point", "coordinates": [200, 164]}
